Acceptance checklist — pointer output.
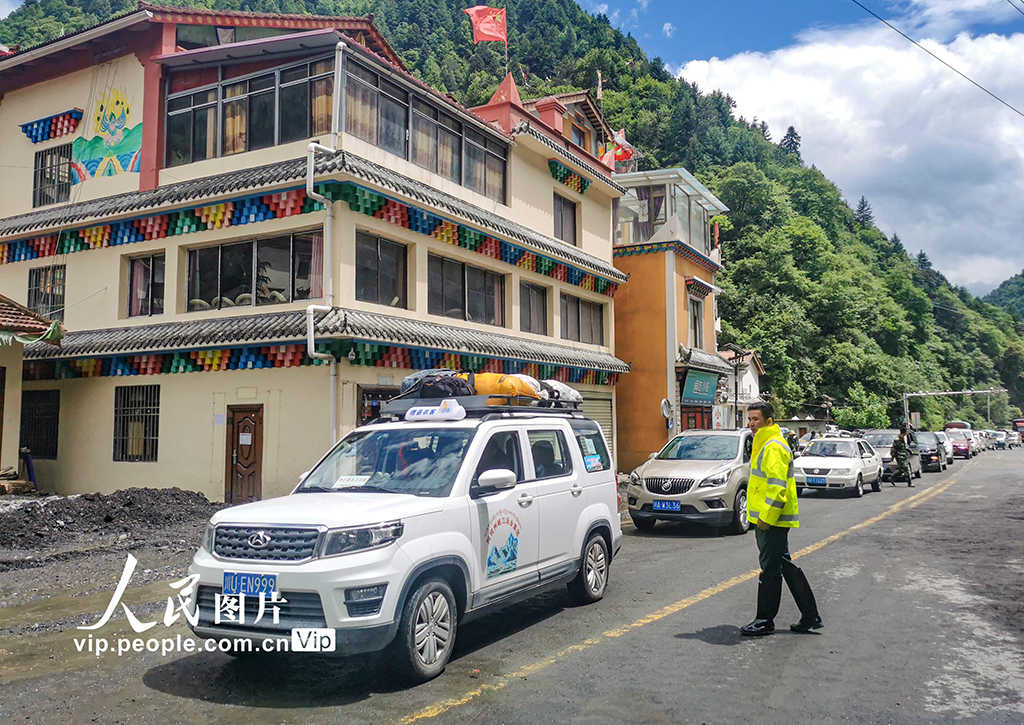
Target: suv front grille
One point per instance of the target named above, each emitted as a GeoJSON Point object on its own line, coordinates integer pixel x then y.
{"type": "Point", "coordinates": [669, 486]}
{"type": "Point", "coordinates": [300, 609]}
{"type": "Point", "coordinates": [817, 471]}
{"type": "Point", "coordinates": [285, 543]}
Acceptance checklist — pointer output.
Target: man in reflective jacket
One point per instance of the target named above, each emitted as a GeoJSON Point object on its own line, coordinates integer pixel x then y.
{"type": "Point", "coordinates": [772, 505]}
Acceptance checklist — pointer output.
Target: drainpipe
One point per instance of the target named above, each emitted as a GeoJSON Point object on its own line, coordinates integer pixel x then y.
{"type": "Point", "coordinates": [311, 192]}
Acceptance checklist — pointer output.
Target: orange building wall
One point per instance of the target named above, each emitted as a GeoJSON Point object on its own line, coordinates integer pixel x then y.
{"type": "Point", "coordinates": [686, 268]}
{"type": "Point", "coordinates": [640, 311]}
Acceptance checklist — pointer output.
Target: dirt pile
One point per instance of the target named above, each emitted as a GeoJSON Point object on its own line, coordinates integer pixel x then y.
{"type": "Point", "coordinates": [133, 511]}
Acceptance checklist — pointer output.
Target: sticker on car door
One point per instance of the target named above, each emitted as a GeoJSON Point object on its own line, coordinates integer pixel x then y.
{"type": "Point", "coordinates": [503, 533]}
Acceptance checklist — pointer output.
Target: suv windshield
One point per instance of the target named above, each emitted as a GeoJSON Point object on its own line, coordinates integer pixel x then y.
{"type": "Point", "coordinates": [417, 461]}
{"type": "Point", "coordinates": [834, 449]}
{"type": "Point", "coordinates": [701, 448]}
{"type": "Point", "coordinates": [880, 439]}
{"type": "Point", "coordinates": [927, 439]}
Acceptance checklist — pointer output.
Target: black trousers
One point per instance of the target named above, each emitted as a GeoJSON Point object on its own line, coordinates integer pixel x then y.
{"type": "Point", "coordinates": [776, 566]}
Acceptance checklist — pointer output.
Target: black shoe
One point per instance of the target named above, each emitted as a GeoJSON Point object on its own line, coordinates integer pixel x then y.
{"type": "Point", "coordinates": [806, 625]}
{"type": "Point", "coordinates": [758, 628]}
{"type": "Point", "coordinates": [909, 484]}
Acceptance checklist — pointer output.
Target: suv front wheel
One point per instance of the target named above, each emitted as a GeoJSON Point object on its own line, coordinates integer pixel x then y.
{"type": "Point", "coordinates": [590, 583]}
{"type": "Point", "coordinates": [740, 523]}
{"type": "Point", "coordinates": [426, 634]}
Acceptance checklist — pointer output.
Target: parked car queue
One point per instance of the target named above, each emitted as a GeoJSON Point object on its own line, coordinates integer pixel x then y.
{"type": "Point", "coordinates": [700, 476]}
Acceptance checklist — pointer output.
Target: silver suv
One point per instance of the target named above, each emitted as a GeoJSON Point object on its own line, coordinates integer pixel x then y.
{"type": "Point", "coordinates": [699, 476]}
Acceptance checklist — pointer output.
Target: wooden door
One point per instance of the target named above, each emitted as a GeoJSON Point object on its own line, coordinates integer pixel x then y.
{"type": "Point", "coordinates": [243, 481]}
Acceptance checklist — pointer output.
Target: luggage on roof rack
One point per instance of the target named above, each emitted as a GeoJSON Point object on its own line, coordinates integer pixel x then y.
{"type": "Point", "coordinates": [480, 405]}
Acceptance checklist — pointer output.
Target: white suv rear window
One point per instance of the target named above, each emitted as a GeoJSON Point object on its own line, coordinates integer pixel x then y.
{"type": "Point", "coordinates": [595, 454]}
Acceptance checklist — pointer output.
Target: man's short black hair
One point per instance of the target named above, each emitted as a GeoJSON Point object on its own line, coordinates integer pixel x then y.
{"type": "Point", "coordinates": [766, 410]}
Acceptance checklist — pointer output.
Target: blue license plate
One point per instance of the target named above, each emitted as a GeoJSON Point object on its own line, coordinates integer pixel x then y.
{"type": "Point", "coordinates": [249, 584]}
{"type": "Point", "coordinates": [666, 506]}
{"type": "Point", "coordinates": [816, 481]}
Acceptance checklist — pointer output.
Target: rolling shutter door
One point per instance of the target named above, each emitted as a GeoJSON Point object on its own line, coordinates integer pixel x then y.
{"type": "Point", "coordinates": [600, 411]}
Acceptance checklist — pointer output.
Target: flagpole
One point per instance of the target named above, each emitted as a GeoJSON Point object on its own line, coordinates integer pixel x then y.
{"type": "Point", "coordinates": [506, 37]}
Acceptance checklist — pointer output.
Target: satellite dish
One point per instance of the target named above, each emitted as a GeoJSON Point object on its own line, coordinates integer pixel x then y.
{"type": "Point", "coordinates": [666, 408]}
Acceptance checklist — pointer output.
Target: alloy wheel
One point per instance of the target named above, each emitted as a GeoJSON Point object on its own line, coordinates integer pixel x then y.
{"type": "Point", "coordinates": [433, 628]}
{"type": "Point", "coordinates": [596, 567]}
{"type": "Point", "coordinates": [741, 504]}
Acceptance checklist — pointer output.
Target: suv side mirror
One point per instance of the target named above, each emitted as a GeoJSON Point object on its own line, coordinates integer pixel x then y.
{"type": "Point", "coordinates": [498, 479]}
{"type": "Point", "coordinates": [653, 454]}
{"type": "Point", "coordinates": [303, 475]}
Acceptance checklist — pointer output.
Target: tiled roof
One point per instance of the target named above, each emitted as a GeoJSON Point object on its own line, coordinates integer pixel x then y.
{"type": "Point", "coordinates": [20, 320]}
{"type": "Point", "coordinates": [291, 171]}
{"type": "Point", "coordinates": [80, 31]}
{"type": "Point", "coordinates": [340, 324]}
{"type": "Point", "coordinates": [605, 176]}
{"type": "Point", "coordinates": [700, 360]}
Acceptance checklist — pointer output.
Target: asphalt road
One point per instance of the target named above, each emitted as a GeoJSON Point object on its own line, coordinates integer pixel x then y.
{"type": "Point", "coordinates": [921, 591]}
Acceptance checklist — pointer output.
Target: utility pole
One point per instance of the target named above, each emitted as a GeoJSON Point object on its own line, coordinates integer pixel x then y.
{"type": "Point", "coordinates": [921, 394]}
{"type": "Point", "coordinates": [738, 355]}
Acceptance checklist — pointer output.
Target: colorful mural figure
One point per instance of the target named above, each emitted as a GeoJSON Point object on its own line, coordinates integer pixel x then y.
{"type": "Point", "coordinates": [116, 147]}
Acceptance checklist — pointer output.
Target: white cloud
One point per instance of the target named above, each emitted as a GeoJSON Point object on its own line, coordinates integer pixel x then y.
{"type": "Point", "coordinates": [668, 29]}
{"type": "Point", "coordinates": [8, 6]}
{"type": "Point", "coordinates": [941, 163]}
{"type": "Point", "coordinates": [642, 3]}
{"type": "Point", "coordinates": [600, 8]}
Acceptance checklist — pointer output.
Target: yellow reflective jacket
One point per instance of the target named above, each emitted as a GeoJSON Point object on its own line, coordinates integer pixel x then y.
{"type": "Point", "coordinates": [771, 493]}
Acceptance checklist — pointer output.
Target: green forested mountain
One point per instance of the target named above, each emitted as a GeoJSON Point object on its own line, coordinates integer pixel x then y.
{"type": "Point", "coordinates": [1009, 294]}
{"type": "Point", "coordinates": [835, 307]}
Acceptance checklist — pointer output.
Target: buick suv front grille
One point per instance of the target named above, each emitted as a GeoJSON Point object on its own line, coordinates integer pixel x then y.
{"type": "Point", "coordinates": [669, 486]}
{"type": "Point", "coordinates": [265, 543]}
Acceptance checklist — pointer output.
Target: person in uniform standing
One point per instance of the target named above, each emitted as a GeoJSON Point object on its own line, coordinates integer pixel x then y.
{"type": "Point", "coordinates": [772, 506]}
{"type": "Point", "coordinates": [901, 454]}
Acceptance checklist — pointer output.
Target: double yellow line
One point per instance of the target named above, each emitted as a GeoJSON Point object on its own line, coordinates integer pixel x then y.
{"type": "Point", "coordinates": [439, 708]}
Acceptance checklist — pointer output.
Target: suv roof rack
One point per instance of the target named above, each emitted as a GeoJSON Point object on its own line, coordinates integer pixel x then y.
{"type": "Point", "coordinates": [485, 407]}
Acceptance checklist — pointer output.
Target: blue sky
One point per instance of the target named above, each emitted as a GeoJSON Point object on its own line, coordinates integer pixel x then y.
{"type": "Point", "coordinates": [941, 163]}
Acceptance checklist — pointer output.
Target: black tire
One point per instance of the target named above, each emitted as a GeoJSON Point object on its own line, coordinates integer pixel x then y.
{"type": "Point", "coordinates": [858, 489]}
{"type": "Point", "coordinates": [411, 663]}
{"type": "Point", "coordinates": [876, 485]}
{"type": "Point", "coordinates": [643, 524]}
{"type": "Point", "coordinates": [740, 523]}
{"type": "Point", "coordinates": [590, 584]}
{"type": "Point", "coordinates": [799, 492]}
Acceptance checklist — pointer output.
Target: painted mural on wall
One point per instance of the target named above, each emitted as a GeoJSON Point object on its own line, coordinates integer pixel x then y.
{"type": "Point", "coordinates": [116, 147]}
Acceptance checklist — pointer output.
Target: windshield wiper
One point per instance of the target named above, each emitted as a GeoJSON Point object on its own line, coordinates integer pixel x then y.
{"type": "Point", "coordinates": [314, 489]}
{"type": "Point", "coordinates": [368, 489]}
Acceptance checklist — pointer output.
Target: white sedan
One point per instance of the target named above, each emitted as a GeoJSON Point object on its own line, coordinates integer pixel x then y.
{"type": "Point", "coordinates": [838, 463]}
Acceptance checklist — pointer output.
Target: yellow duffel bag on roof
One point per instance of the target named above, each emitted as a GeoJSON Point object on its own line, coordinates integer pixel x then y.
{"type": "Point", "coordinates": [499, 384]}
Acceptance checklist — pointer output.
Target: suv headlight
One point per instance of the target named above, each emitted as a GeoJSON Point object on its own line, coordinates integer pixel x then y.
{"type": "Point", "coordinates": [711, 481]}
{"type": "Point", "coordinates": [634, 479]}
{"type": "Point", "coordinates": [841, 471]}
{"type": "Point", "coordinates": [206, 543]}
{"type": "Point", "coordinates": [348, 541]}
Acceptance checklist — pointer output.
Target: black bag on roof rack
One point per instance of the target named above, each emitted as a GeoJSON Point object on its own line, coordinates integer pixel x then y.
{"type": "Point", "coordinates": [413, 381]}
{"type": "Point", "coordinates": [445, 385]}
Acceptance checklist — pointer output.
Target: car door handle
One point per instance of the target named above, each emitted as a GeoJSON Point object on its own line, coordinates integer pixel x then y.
{"type": "Point", "coordinates": [575, 489]}
{"type": "Point", "coordinates": [525, 499]}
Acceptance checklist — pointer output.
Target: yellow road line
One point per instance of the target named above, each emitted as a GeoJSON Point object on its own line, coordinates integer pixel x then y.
{"type": "Point", "coordinates": [439, 708]}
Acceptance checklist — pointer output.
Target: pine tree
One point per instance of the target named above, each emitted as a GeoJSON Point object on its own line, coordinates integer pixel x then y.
{"type": "Point", "coordinates": [790, 143]}
{"type": "Point", "coordinates": [923, 263]}
{"type": "Point", "coordinates": [863, 215]}
{"type": "Point", "coordinates": [763, 128]}
{"type": "Point", "coordinates": [897, 245]}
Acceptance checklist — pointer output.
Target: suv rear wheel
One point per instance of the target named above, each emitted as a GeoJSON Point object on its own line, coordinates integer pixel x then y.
{"type": "Point", "coordinates": [590, 583]}
{"type": "Point", "coordinates": [426, 634]}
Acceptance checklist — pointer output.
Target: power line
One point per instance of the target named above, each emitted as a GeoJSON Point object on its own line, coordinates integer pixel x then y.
{"type": "Point", "coordinates": [1012, 5]}
{"type": "Point", "coordinates": [952, 68]}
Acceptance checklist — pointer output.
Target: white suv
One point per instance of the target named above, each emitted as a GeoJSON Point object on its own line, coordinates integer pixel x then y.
{"type": "Point", "coordinates": [406, 528]}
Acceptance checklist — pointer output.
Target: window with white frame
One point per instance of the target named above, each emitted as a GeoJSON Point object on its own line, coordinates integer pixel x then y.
{"type": "Point", "coordinates": [146, 285]}
{"type": "Point", "coordinates": [696, 323]}
{"type": "Point", "coordinates": [270, 271]}
{"type": "Point", "coordinates": [464, 292]}
{"type": "Point", "coordinates": [533, 308]}
{"type": "Point", "coordinates": [582, 321]}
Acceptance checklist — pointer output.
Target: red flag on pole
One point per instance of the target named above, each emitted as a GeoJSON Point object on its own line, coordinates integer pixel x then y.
{"type": "Point", "coordinates": [488, 23]}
